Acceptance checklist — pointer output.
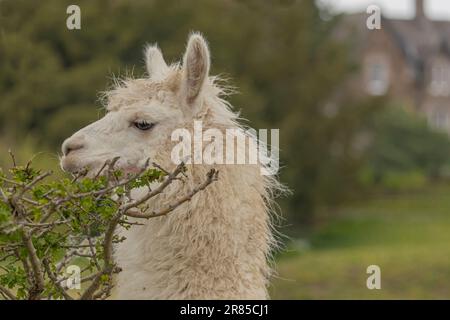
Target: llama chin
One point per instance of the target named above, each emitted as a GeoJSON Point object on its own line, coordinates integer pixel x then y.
{"type": "Point", "coordinates": [217, 246]}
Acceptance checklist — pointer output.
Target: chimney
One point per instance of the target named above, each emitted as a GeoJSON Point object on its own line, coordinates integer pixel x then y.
{"type": "Point", "coordinates": [420, 10]}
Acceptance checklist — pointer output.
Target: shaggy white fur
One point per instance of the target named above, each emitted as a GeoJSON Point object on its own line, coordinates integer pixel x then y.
{"type": "Point", "coordinates": [218, 245]}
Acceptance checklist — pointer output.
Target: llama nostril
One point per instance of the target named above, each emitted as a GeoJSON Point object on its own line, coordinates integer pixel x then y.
{"type": "Point", "coordinates": [70, 146]}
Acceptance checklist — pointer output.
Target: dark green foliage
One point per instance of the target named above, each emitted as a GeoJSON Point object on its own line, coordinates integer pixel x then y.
{"type": "Point", "coordinates": [404, 147]}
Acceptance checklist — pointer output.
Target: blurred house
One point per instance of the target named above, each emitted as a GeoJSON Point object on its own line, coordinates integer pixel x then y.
{"type": "Point", "coordinates": [409, 60]}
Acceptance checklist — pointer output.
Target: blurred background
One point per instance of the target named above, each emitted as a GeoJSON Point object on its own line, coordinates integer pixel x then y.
{"type": "Point", "coordinates": [364, 117]}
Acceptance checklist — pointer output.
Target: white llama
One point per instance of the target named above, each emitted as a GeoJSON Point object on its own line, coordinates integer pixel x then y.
{"type": "Point", "coordinates": [217, 246]}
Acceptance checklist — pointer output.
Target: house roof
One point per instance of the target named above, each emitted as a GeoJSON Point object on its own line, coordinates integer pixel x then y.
{"type": "Point", "coordinates": [418, 39]}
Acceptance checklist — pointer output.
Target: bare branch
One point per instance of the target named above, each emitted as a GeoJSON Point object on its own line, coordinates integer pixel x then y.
{"type": "Point", "coordinates": [34, 203]}
{"type": "Point", "coordinates": [3, 195]}
{"type": "Point", "coordinates": [55, 281]}
{"type": "Point", "coordinates": [34, 182]}
{"type": "Point", "coordinates": [108, 266]}
{"type": "Point", "coordinates": [6, 292]}
{"type": "Point", "coordinates": [43, 225]}
{"type": "Point", "coordinates": [211, 176]}
{"type": "Point", "coordinates": [155, 192]}
{"type": "Point", "coordinates": [11, 181]}
{"type": "Point", "coordinates": [35, 266]}
{"type": "Point", "coordinates": [13, 158]}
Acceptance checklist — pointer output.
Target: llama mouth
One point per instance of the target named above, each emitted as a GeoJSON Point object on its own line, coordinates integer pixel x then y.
{"type": "Point", "coordinates": [74, 167]}
{"type": "Point", "coordinates": [68, 165]}
{"type": "Point", "coordinates": [93, 168]}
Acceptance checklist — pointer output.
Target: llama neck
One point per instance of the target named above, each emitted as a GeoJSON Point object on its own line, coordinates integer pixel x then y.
{"type": "Point", "coordinates": [214, 247]}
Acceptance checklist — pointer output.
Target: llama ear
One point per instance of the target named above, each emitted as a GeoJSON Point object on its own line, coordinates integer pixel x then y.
{"type": "Point", "coordinates": [156, 66]}
{"type": "Point", "coordinates": [195, 67]}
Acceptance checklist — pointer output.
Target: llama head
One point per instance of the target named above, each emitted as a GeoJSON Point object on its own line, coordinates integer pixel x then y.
{"type": "Point", "coordinates": [142, 113]}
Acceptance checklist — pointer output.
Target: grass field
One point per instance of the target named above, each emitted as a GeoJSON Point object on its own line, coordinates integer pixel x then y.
{"type": "Point", "coordinates": [408, 236]}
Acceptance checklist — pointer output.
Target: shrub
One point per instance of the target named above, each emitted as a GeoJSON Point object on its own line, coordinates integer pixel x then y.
{"type": "Point", "coordinates": [404, 151]}
{"type": "Point", "coordinates": [47, 226]}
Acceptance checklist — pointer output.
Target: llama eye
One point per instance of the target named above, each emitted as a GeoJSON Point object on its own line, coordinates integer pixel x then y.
{"type": "Point", "coordinates": [144, 125]}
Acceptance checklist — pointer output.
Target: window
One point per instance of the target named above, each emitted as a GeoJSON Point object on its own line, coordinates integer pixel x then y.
{"type": "Point", "coordinates": [439, 85]}
{"type": "Point", "coordinates": [377, 76]}
{"type": "Point", "coordinates": [440, 119]}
